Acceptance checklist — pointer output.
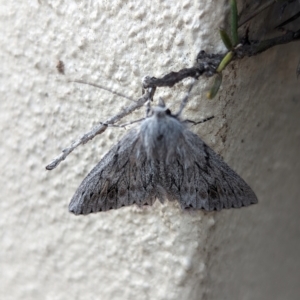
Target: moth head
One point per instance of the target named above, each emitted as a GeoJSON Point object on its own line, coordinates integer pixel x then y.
{"type": "Point", "coordinates": [161, 102]}
{"type": "Point", "coordinates": [160, 110]}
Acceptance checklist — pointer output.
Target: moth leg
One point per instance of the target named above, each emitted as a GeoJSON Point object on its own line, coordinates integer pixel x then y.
{"type": "Point", "coordinates": [199, 122]}
{"type": "Point", "coordinates": [185, 100]}
{"type": "Point", "coordinates": [148, 108]}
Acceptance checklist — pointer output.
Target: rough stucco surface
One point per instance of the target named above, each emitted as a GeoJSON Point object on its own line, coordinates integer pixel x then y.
{"type": "Point", "coordinates": [158, 252]}
{"type": "Point", "coordinates": [256, 253]}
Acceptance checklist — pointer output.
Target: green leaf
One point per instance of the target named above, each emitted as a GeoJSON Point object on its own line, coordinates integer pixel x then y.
{"type": "Point", "coordinates": [234, 22]}
{"type": "Point", "coordinates": [225, 61]}
{"type": "Point", "coordinates": [225, 39]}
{"type": "Point", "coordinates": [215, 88]}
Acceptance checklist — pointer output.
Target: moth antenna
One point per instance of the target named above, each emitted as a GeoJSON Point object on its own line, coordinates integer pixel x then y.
{"type": "Point", "coordinates": [103, 88]}
{"type": "Point", "coordinates": [161, 102]}
{"type": "Point", "coordinates": [185, 100]}
{"type": "Point", "coordinates": [148, 107]}
{"type": "Point", "coordinates": [199, 122]}
{"type": "Point", "coordinates": [122, 125]}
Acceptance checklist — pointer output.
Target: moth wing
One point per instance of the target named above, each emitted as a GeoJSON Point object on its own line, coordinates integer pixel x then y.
{"type": "Point", "coordinates": [123, 177]}
{"type": "Point", "coordinates": [204, 181]}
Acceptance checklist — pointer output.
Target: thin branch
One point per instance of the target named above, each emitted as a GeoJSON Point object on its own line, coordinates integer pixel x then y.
{"type": "Point", "coordinates": [289, 20]}
{"type": "Point", "coordinates": [261, 8]}
{"type": "Point", "coordinates": [207, 64]}
{"type": "Point", "coordinates": [261, 46]}
{"type": "Point", "coordinates": [100, 128]}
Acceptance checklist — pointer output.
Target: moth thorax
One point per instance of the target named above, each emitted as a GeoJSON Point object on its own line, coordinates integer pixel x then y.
{"type": "Point", "coordinates": [161, 136]}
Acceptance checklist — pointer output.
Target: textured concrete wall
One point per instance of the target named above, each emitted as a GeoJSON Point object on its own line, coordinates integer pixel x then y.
{"type": "Point", "coordinates": [255, 255]}
{"type": "Point", "coordinates": [158, 252]}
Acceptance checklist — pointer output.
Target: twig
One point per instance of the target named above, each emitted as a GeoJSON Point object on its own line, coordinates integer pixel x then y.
{"type": "Point", "coordinates": [207, 64]}
{"type": "Point", "coordinates": [100, 128]}
{"type": "Point", "coordinates": [261, 8]}
{"type": "Point", "coordinates": [289, 20]}
{"type": "Point", "coordinates": [261, 46]}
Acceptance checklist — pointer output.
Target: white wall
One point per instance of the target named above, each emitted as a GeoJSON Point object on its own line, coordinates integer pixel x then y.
{"type": "Point", "coordinates": [158, 252]}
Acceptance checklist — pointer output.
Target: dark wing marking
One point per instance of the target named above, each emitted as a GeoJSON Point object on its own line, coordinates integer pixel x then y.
{"type": "Point", "coordinates": [204, 181]}
{"type": "Point", "coordinates": [122, 178]}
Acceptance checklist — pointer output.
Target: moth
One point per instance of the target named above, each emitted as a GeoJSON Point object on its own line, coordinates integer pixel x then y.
{"type": "Point", "coordinates": [161, 159]}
